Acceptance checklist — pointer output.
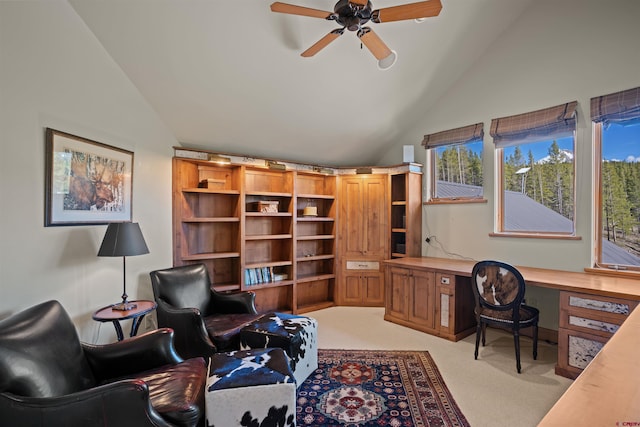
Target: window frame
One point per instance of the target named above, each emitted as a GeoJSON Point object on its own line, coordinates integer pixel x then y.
{"type": "Point", "coordinates": [500, 200]}
{"type": "Point", "coordinates": [538, 126]}
{"type": "Point", "coordinates": [432, 159]}
{"type": "Point", "coordinates": [598, 264]}
{"type": "Point", "coordinates": [461, 136]}
{"type": "Point", "coordinates": [622, 107]}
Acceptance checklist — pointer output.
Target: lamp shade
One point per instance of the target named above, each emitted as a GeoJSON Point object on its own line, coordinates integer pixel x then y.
{"type": "Point", "coordinates": [388, 61]}
{"type": "Point", "coordinates": [123, 239]}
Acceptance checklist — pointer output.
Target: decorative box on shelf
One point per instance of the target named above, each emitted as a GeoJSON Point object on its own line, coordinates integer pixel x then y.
{"type": "Point", "coordinates": [310, 211]}
{"type": "Point", "coordinates": [212, 183]}
{"type": "Point", "coordinates": [265, 206]}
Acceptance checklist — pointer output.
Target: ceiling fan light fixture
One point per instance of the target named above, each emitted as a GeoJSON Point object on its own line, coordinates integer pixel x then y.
{"type": "Point", "coordinates": [353, 15]}
{"type": "Point", "coordinates": [388, 61]}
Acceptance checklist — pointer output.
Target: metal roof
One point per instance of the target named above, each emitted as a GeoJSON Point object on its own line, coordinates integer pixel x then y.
{"type": "Point", "coordinates": [524, 213]}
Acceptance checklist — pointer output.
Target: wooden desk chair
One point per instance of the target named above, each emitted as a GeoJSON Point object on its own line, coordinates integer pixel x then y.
{"type": "Point", "coordinates": [499, 290]}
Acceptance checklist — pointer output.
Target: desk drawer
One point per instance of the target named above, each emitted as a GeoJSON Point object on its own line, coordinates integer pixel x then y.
{"type": "Point", "coordinates": [593, 314]}
{"type": "Point", "coordinates": [586, 324]}
{"type": "Point", "coordinates": [598, 303]}
{"type": "Point", "coordinates": [363, 265]}
{"type": "Point", "coordinates": [446, 280]}
{"type": "Point", "coordinates": [576, 350]}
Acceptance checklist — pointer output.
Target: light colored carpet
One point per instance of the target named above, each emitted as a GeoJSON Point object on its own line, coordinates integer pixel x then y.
{"type": "Point", "coordinates": [489, 391]}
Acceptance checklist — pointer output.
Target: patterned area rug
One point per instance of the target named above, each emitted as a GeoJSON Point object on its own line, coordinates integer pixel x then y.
{"type": "Point", "coordinates": [376, 388]}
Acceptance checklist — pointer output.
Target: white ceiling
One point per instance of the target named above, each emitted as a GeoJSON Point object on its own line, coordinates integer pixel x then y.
{"type": "Point", "coordinates": [227, 75]}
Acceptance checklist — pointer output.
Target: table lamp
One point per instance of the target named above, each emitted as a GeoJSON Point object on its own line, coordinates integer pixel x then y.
{"type": "Point", "coordinates": [123, 239]}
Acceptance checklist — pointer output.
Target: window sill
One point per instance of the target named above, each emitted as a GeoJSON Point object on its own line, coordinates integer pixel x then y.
{"type": "Point", "coordinates": [536, 236]}
{"type": "Point", "coordinates": [453, 201]}
{"type": "Point", "coordinates": [610, 271]}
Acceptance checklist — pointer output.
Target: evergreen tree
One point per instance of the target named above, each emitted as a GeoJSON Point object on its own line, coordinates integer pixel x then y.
{"type": "Point", "coordinates": [616, 209]}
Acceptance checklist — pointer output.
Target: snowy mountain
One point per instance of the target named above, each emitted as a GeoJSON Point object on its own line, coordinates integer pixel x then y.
{"type": "Point", "coordinates": [566, 154]}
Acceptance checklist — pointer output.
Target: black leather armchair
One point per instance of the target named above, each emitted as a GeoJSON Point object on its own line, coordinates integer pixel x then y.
{"type": "Point", "coordinates": [49, 378]}
{"type": "Point", "coordinates": [205, 321]}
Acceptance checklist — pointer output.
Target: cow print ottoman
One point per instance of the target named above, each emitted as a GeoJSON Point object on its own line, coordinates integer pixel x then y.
{"type": "Point", "coordinates": [297, 335]}
{"type": "Point", "coordinates": [250, 388]}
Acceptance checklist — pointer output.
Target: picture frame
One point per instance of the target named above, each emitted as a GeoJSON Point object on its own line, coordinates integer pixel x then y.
{"type": "Point", "coordinates": [86, 182]}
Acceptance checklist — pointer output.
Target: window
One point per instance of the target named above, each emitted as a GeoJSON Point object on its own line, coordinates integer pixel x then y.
{"type": "Point", "coordinates": [616, 131]}
{"type": "Point", "coordinates": [456, 164]}
{"type": "Point", "coordinates": [536, 170]}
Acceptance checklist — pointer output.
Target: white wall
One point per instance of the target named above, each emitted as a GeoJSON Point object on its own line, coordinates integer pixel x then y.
{"type": "Point", "coordinates": [557, 51]}
{"type": "Point", "coordinates": [54, 73]}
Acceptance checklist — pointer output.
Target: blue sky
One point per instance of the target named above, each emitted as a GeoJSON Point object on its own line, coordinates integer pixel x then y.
{"type": "Point", "coordinates": [618, 143]}
{"type": "Point", "coordinates": [621, 143]}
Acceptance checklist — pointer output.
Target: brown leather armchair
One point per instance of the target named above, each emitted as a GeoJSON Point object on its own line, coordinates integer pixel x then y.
{"type": "Point", "coordinates": [205, 321]}
{"type": "Point", "coordinates": [49, 378]}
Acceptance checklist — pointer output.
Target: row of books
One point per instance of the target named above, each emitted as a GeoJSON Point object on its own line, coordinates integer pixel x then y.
{"type": "Point", "coordinates": [256, 276]}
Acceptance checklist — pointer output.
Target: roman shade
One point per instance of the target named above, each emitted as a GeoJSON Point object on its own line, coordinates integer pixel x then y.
{"type": "Point", "coordinates": [621, 108]}
{"type": "Point", "coordinates": [462, 135]}
{"type": "Point", "coordinates": [548, 123]}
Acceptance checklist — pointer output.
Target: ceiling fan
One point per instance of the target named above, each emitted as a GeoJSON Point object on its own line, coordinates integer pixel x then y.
{"type": "Point", "coordinates": [352, 15]}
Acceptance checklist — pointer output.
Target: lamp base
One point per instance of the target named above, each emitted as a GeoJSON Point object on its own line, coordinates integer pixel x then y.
{"type": "Point", "coordinates": [124, 306]}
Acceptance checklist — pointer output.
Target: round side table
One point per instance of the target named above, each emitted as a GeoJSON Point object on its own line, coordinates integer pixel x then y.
{"type": "Point", "coordinates": [108, 314]}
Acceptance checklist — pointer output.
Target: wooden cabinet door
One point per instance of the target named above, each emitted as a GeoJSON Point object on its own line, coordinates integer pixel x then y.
{"type": "Point", "coordinates": [363, 288]}
{"type": "Point", "coordinates": [373, 289]}
{"type": "Point", "coordinates": [375, 226]}
{"type": "Point", "coordinates": [352, 217]}
{"type": "Point", "coordinates": [422, 298]}
{"type": "Point", "coordinates": [396, 304]}
{"type": "Point", "coordinates": [352, 289]}
{"type": "Point", "coordinates": [363, 218]}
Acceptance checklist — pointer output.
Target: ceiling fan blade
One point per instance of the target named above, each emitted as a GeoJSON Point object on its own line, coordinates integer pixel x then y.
{"type": "Point", "coordinates": [374, 43]}
{"type": "Point", "coordinates": [299, 10]}
{"type": "Point", "coordinates": [422, 9]}
{"type": "Point", "coordinates": [322, 43]}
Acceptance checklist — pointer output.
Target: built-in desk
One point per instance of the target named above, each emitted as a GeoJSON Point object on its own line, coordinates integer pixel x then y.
{"type": "Point", "coordinates": [595, 284]}
{"type": "Point", "coordinates": [592, 307]}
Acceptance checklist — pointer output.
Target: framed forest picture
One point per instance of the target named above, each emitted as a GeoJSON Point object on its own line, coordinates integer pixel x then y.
{"type": "Point", "coordinates": [86, 182]}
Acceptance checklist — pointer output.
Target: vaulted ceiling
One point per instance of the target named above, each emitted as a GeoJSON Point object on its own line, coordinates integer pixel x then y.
{"type": "Point", "coordinates": [227, 75]}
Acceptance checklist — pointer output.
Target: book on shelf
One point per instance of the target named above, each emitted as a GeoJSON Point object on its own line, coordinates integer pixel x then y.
{"type": "Point", "coordinates": [266, 274]}
{"type": "Point", "coordinates": [253, 279]}
{"type": "Point", "coordinates": [260, 275]}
